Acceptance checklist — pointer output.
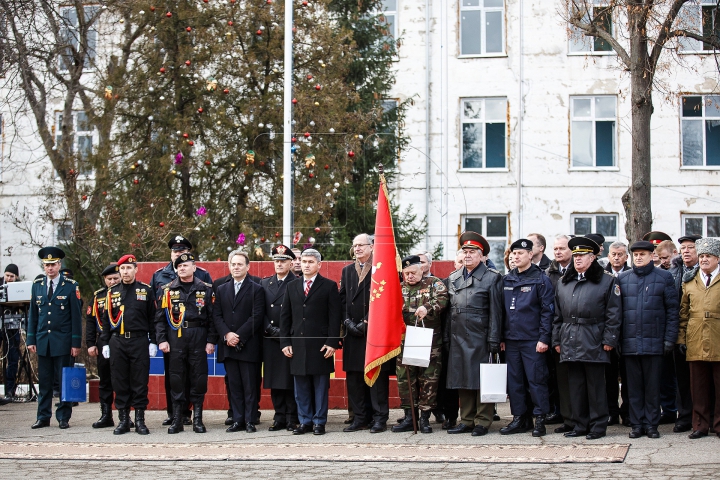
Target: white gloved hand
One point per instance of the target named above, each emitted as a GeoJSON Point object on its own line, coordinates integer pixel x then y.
{"type": "Point", "coordinates": [106, 351]}
{"type": "Point", "coordinates": [153, 350]}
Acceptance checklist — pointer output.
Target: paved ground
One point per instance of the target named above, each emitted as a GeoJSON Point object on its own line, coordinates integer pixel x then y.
{"type": "Point", "coordinates": [671, 456]}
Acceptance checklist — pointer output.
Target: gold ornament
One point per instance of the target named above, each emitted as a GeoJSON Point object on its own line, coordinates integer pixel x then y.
{"type": "Point", "coordinates": [309, 161]}
{"type": "Point", "coordinates": [249, 157]}
{"type": "Point", "coordinates": [211, 84]}
{"type": "Point", "coordinates": [108, 92]}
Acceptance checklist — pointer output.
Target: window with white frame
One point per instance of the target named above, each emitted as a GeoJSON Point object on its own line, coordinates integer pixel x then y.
{"type": "Point", "coordinates": [700, 130]}
{"type": "Point", "coordinates": [70, 33]}
{"type": "Point", "coordinates": [495, 230]}
{"type": "Point", "coordinates": [601, 15]}
{"type": "Point", "coordinates": [606, 224]}
{"type": "Point", "coordinates": [84, 137]}
{"type": "Point", "coordinates": [700, 17]}
{"type": "Point", "coordinates": [705, 225]}
{"type": "Point", "coordinates": [389, 13]}
{"type": "Point", "coordinates": [593, 122]}
{"type": "Point", "coordinates": [63, 232]}
{"type": "Point", "coordinates": [482, 27]}
{"type": "Point", "coordinates": [484, 132]}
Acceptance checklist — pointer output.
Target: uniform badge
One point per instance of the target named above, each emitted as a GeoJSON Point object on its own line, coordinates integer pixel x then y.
{"type": "Point", "coordinates": [77, 292]}
{"type": "Point", "coordinates": [617, 290]}
{"type": "Point", "coordinates": [525, 289]}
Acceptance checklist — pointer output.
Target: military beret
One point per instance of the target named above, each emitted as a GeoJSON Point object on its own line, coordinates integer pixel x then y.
{"type": "Point", "coordinates": [656, 238]}
{"type": "Point", "coordinates": [596, 237]}
{"type": "Point", "coordinates": [129, 259]}
{"type": "Point", "coordinates": [642, 245]}
{"type": "Point", "coordinates": [522, 244]}
{"type": "Point", "coordinates": [708, 246]}
{"type": "Point", "coordinates": [110, 269]}
{"type": "Point", "coordinates": [185, 257]}
{"type": "Point", "coordinates": [471, 239]}
{"type": "Point", "coordinates": [51, 254]}
{"type": "Point", "coordinates": [583, 246]}
{"type": "Point", "coordinates": [281, 252]}
{"type": "Point", "coordinates": [689, 238]}
{"type": "Point", "coordinates": [179, 243]}
{"type": "Point", "coordinates": [410, 260]}
{"type": "Point", "coordinates": [12, 268]}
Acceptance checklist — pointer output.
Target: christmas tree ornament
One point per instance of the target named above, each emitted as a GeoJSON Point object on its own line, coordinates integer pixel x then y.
{"type": "Point", "coordinates": [104, 194]}
{"type": "Point", "coordinates": [152, 9]}
{"type": "Point", "coordinates": [136, 181]}
{"type": "Point", "coordinates": [351, 154]}
{"type": "Point", "coordinates": [226, 91]}
{"type": "Point", "coordinates": [312, 123]}
{"type": "Point", "coordinates": [328, 194]}
{"type": "Point", "coordinates": [309, 77]}
{"type": "Point", "coordinates": [187, 63]}
{"type": "Point", "coordinates": [318, 87]}
{"type": "Point", "coordinates": [230, 23]}
{"type": "Point", "coordinates": [151, 89]}
{"type": "Point", "coordinates": [232, 165]}
{"type": "Point", "coordinates": [162, 224]}
{"type": "Point", "coordinates": [360, 137]}
{"type": "Point", "coordinates": [336, 185]}
{"type": "Point", "coordinates": [327, 166]}
{"type": "Point", "coordinates": [191, 143]}
{"type": "Point", "coordinates": [122, 20]}
{"type": "Point", "coordinates": [108, 92]}
{"type": "Point", "coordinates": [134, 224]}
{"type": "Point", "coordinates": [309, 209]}
{"type": "Point", "coordinates": [293, 149]}
{"type": "Point", "coordinates": [306, 134]}
{"type": "Point", "coordinates": [179, 158]}
{"type": "Point", "coordinates": [84, 197]}
{"type": "Point", "coordinates": [317, 104]}
{"type": "Point", "coordinates": [317, 229]}
{"type": "Point", "coordinates": [259, 252]}
{"type": "Point", "coordinates": [211, 85]}
{"type": "Point", "coordinates": [309, 160]}
{"type": "Point", "coordinates": [311, 240]}
{"type": "Point", "coordinates": [202, 211]}
{"type": "Point", "coordinates": [200, 110]}
{"type": "Point", "coordinates": [294, 101]}
{"type": "Point", "coordinates": [296, 237]}
{"type": "Point", "coordinates": [185, 135]}
{"type": "Point", "coordinates": [293, 139]}
{"type": "Point", "coordinates": [151, 118]}
{"type": "Point", "coordinates": [178, 132]}
{"type": "Point", "coordinates": [162, 69]}
{"type": "Point", "coordinates": [188, 29]}
{"type": "Point", "coordinates": [162, 97]}
{"type": "Point", "coordinates": [249, 157]}
{"type": "Point", "coordinates": [132, 167]}
{"type": "Point", "coordinates": [277, 234]}
{"type": "Point", "coordinates": [208, 162]}
{"type": "Point", "coordinates": [261, 125]}
{"type": "Point", "coordinates": [311, 175]}
{"type": "Point", "coordinates": [305, 3]}
{"type": "Point", "coordinates": [246, 188]}
{"type": "Point", "coordinates": [240, 239]}
{"type": "Point", "coordinates": [168, 14]}
{"type": "Point", "coordinates": [317, 186]}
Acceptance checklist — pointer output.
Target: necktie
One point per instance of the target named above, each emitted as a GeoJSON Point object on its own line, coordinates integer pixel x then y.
{"type": "Point", "coordinates": [581, 276]}
{"type": "Point", "coordinates": [307, 286]}
{"type": "Point", "coordinates": [707, 283]}
{"type": "Point", "coordinates": [237, 287]}
{"type": "Point", "coordinates": [50, 290]}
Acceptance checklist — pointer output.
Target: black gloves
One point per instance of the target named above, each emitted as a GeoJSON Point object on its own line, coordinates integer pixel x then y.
{"type": "Point", "coordinates": [682, 348]}
{"type": "Point", "coordinates": [668, 347]}
{"type": "Point", "coordinates": [357, 330]}
{"type": "Point", "coordinates": [494, 347]}
{"type": "Point", "coordinates": [272, 332]}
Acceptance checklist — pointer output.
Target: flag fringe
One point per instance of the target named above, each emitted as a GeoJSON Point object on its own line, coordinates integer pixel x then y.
{"type": "Point", "coordinates": [370, 381]}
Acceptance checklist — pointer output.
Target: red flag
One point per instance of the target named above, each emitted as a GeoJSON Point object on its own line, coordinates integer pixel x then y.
{"type": "Point", "coordinates": [385, 320]}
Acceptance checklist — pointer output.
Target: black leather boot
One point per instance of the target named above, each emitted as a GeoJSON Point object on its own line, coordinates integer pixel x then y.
{"type": "Point", "coordinates": [124, 422]}
{"type": "Point", "coordinates": [539, 429]}
{"type": "Point", "coordinates": [424, 423]}
{"type": "Point", "coordinates": [198, 426]}
{"type": "Point", "coordinates": [106, 418]}
{"type": "Point", "coordinates": [140, 422]}
{"type": "Point", "coordinates": [517, 425]}
{"type": "Point", "coordinates": [177, 424]}
{"type": "Point", "coordinates": [407, 423]}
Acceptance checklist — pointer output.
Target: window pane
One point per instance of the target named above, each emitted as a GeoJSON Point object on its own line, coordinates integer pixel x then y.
{"type": "Point", "coordinates": [603, 17]}
{"type": "Point", "coordinates": [493, 32]}
{"type": "Point", "coordinates": [604, 144]}
{"type": "Point", "coordinates": [692, 106]}
{"type": "Point", "coordinates": [474, 225]}
{"type": "Point", "coordinates": [497, 254]}
{"type": "Point", "coordinates": [712, 142]}
{"type": "Point", "coordinates": [497, 226]}
{"type": "Point", "coordinates": [709, 25]}
{"type": "Point", "coordinates": [582, 144]}
{"type": "Point", "coordinates": [471, 3]}
{"type": "Point", "coordinates": [472, 145]}
{"type": "Point", "coordinates": [690, 19]}
{"type": "Point", "coordinates": [692, 142]}
{"type": "Point", "coordinates": [583, 225]}
{"type": "Point", "coordinates": [495, 153]}
{"type": "Point", "coordinates": [472, 109]}
{"type": "Point", "coordinates": [84, 146]}
{"type": "Point", "coordinates": [605, 107]}
{"type": "Point", "coordinates": [578, 41]}
{"type": "Point", "coordinates": [712, 106]}
{"type": "Point", "coordinates": [606, 225]}
{"type": "Point", "coordinates": [389, 5]}
{"type": "Point", "coordinates": [390, 23]}
{"type": "Point", "coordinates": [713, 226]}
{"type": "Point", "coordinates": [495, 109]}
{"type": "Point", "coordinates": [581, 107]}
{"type": "Point", "coordinates": [693, 226]}
{"type": "Point", "coordinates": [470, 28]}
{"type": "Point", "coordinates": [493, 3]}
{"type": "Point", "coordinates": [82, 122]}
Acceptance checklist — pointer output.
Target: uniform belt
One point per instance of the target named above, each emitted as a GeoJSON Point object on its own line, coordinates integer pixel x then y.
{"type": "Point", "coordinates": [130, 334]}
{"type": "Point", "coordinates": [582, 321]}
{"type": "Point", "coordinates": [192, 324]}
{"type": "Point", "coordinates": [712, 315]}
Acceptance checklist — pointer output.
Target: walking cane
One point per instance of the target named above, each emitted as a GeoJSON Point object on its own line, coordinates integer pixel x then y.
{"type": "Point", "coordinates": [412, 399]}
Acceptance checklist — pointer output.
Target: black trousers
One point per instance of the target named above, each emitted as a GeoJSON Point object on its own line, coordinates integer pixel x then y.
{"type": "Point", "coordinates": [168, 389]}
{"type": "Point", "coordinates": [242, 383]}
{"type": "Point", "coordinates": [448, 398]}
{"type": "Point", "coordinates": [614, 370]}
{"type": "Point", "coordinates": [50, 372]}
{"type": "Point", "coordinates": [379, 398]}
{"type": "Point", "coordinates": [588, 398]}
{"type": "Point", "coordinates": [105, 384]}
{"type": "Point", "coordinates": [283, 401]}
{"type": "Point", "coordinates": [526, 371]}
{"type": "Point", "coordinates": [359, 397]}
{"type": "Point", "coordinates": [563, 388]}
{"type": "Point", "coordinates": [130, 367]}
{"type": "Point", "coordinates": [552, 385]}
{"type": "Point", "coordinates": [643, 384]}
{"type": "Point", "coordinates": [684, 399]}
{"type": "Point", "coordinates": [668, 386]}
{"type": "Point", "coordinates": [188, 365]}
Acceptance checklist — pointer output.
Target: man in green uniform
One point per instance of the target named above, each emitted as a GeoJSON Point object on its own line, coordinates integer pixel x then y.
{"type": "Point", "coordinates": [424, 300]}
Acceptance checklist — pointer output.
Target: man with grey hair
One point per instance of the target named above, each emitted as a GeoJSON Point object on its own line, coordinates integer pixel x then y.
{"type": "Point", "coordinates": [618, 257]}
{"type": "Point", "coordinates": [309, 335]}
{"type": "Point", "coordinates": [425, 261]}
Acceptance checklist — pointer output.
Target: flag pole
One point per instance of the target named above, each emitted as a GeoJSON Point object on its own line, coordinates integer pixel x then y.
{"type": "Point", "coordinates": [287, 125]}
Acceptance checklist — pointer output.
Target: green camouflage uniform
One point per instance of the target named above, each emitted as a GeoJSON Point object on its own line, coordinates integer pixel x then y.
{"type": "Point", "coordinates": [431, 293]}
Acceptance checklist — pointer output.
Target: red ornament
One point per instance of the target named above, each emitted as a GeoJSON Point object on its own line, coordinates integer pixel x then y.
{"type": "Point", "coordinates": [318, 87]}
{"type": "Point", "coordinates": [152, 9]}
{"type": "Point", "coordinates": [269, 2]}
{"type": "Point", "coordinates": [162, 224]}
{"type": "Point", "coordinates": [200, 110]}
{"type": "Point", "coordinates": [294, 101]}
{"type": "Point", "coordinates": [208, 162]}
{"type": "Point", "coordinates": [226, 91]}
{"type": "Point", "coordinates": [309, 77]}
{"type": "Point", "coordinates": [189, 29]}
{"type": "Point", "coordinates": [245, 172]}
{"type": "Point", "coordinates": [185, 135]}
{"type": "Point", "coordinates": [206, 1]}
{"type": "Point", "coordinates": [168, 14]}
{"type": "Point", "coordinates": [311, 175]}
{"type": "Point", "coordinates": [277, 234]}
{"type": "Point", "coordinates": [351, 154]}
{"type": "Point", "coordinates": [232, 1]}
{"type": "Point", "coordinates": [213, 237]}
{"type": "Point", "coordinates": [259, 32]}
{"type": "Point", "coordinates": [84, 197]}
{"type": "Point", "coordinates": [105, 193]}
{"type": "Point", "coordinates": [294, 30]}
{"type": "Point", "coordinates": [293, 139]}
{"type": "Point", "coordinates": [136, 181]}
{"type": "Point", "coordinates": [191, 143]}
{"type": "Point", "coordinates": [187, 62]}
{"type": "Point", "coordinates": [317, 229]}
{"type": "Point", "coordinates": [162, 69]}
{"type": "Point", "coordinates": [262, 164]}
{"type": "Point", "coordinates": [262, 239]}
{"type": "Point", "coordinates": [306, 134]}
{"type": "Point", "coordinates": [305, 3]}
{"type": "Point", "coordinates": [327, 167]}
{"type": "Point", "coordinates": [230, 23]}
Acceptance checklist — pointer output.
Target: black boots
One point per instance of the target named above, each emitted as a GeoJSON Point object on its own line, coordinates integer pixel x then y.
{"type": "Point", "coordinates": [106, 417]}
{"type": "Point", "coordinates": [539, 429]}
{"type": "Point", "coordinates": [407, 423]}
{"type": "Point", "coordinates": [518, 425]}
{"type": "Point", "coordinates": [124, 422]}
{"type": "Point", "coordinates": [177, 421]}
{"type": "Point", "coordinates": [424, 423]}
{"type": "Point", "coordinates": [198, 426]}
{"type": "Point", "coordinates": [140, 422]}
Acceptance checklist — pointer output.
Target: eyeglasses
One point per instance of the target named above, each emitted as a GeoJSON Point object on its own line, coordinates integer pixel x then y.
{"type": "Point", "coordinates": [361, 245]}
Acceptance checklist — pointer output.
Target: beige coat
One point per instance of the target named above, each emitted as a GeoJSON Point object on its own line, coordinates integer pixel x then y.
{"type": "Point", "coordinates": [700, 320]}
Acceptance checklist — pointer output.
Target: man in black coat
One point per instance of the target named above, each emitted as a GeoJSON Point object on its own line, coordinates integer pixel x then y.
{"type": "Point", "coordinates": [276, 365]}
{"type": "Point", "coordinates": [238, 313]}
{"type": "Point", "coordinates": [309, 335]}
{"type": "Point", "coordinates": [370, 404]}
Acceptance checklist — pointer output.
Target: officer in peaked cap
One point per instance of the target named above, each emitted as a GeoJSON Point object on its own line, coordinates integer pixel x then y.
{"type": "Point", "coordinates": [656, 237]}
{"type": "Point", "coordinates": [474, 240]}
{"type": "Point", "coordinates": [178, 244]}
{"type": "Point", "coordinates": [51, 255]}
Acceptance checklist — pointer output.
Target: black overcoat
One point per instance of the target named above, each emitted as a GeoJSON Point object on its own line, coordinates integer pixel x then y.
{"type": "Point", "coordinates": [243, 314]}
{"type": "Point", "coordinates": [276, 369]}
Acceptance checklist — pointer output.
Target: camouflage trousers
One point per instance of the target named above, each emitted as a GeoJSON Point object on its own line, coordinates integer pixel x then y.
{"type": "Point", "coordinates": [425, 381]}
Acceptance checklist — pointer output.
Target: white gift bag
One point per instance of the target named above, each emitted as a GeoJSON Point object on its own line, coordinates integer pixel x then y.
{"type": "Point", "coordinates": [493, 382]}
{"type": "Point", "coordinates": [418, 342]}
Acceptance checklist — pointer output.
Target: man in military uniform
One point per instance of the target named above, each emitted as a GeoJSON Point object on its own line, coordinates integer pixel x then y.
{"type": "Point", "coordinates": [93, 329]}
{"type": "Point", "coordinates": [54, 332]}
{"type": "Point", "coordinates": [127, 326]}
{"type": "Point", "coordinates": [424, 299]}
{"type": "Point", "coordinates": [162, 276]}
{"type": "Point", "coordinates": [276, 365]}
{"type": "Point", "coordinates": [186, 335]}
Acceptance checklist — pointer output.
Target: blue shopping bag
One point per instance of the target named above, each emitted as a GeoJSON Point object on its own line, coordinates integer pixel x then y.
{"type": "Point", "coordinates": [73, 385]}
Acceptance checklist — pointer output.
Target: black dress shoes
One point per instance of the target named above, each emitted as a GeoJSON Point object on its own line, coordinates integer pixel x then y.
{"type": "Point", "coordinates": [291, 427]}
{"type": "Point", "coordinates": [439, 417]}
{"type": "Point", "coordinates": [302, 429]}
{"type": "Point", "coordinates": [553, 419]}
{"type": "Point", "coordinates": [378, 427]}
{"type": "Point", "coordinates": [460, 428]}
{"type": "Point", "coordinates": [652, 432]}
{"type": "Point", "coordinates": [276, 426]}
{"type": "Point", "coordinates": [564, 428]}
{"type": "Point", "coordinates": [575, 433]}
{"type": "Point", "coordinates": [449, 423]}
{"type": "Point", "coordinates": [250, 428]}
{"type": "Point", "coordinates": [349, 420]}
{"type": "Point", "coordinates": [319, 429]}
{"type": "Point", "coordinates": [5, 400]}
{"type": "Point", "coordinates": [594, 435]}
{"type": "Point", "coordinates": [228, 421]}
{"type": "Point", "coordinates": [697, 434]}
{"type": "Point", "coordinates": [679, 428]}
{"type": "Point", "coordinates": [235, 427]}
{"type": "Point", "coordinates": [355, 427]}
{"type": "Point", "coordinates": [64, 424]}
{"type": "Point", "coordinates": [40, 424]}
{"type": "Point", "coordinates": [479, 431]}
{"type": "Point", "coordinates": [636, 432]}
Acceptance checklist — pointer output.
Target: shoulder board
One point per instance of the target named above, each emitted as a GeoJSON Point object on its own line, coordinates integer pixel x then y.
{"type": "Point", "coordinates": [39, 279]}
{"type": "Point", "coordinates": [98, 291]}
{"type": "Point", "coordinates": [69, 280]}
{"type": "Point", "coordinates": [144, 284]}
{"type": "Point", "coordinates": [207, 284]}
{"type": "Point", "coordinates": [156, 271]}
{"type": "Point", "coordinates": [493, 270]}
{"type": "Point", "coordinates": [201, 268]}
{"type": "Point", "coordinates": [608, 273]}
